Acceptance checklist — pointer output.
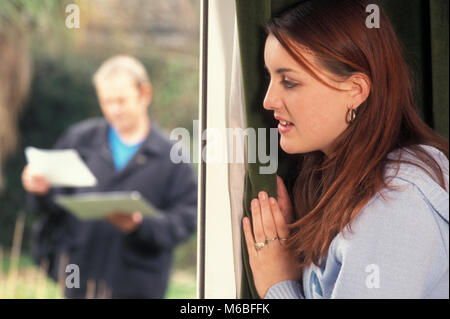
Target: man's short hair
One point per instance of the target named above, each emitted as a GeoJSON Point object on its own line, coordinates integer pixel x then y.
{"type": "Point", "coordinates": [122, 64]}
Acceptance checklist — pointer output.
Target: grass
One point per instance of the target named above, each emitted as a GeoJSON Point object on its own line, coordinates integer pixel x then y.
{"type": "Point", "coordinates": [20, 278]}
{"type": "Point", "coordinates": [182, 285]}
{"type": "Point", "coordinates": [25, 281]}
{"type": "Point", "coordinates": [29, 282]}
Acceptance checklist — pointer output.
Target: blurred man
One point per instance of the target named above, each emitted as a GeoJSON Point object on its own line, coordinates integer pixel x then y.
{"type": "Point", "coordinates": [126, 255]}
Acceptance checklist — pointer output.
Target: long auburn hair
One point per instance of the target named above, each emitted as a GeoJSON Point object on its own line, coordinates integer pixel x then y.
{"type": "Point", "coordinates": [329, 192]}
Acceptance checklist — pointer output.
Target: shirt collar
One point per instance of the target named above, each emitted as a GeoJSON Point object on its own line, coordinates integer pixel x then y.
{"type": "Point", "coordinates": [154, 143]}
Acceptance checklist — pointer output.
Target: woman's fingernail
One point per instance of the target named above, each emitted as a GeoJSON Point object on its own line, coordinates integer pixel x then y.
{"type": "Point", "coordinates": [255, 202]}
{"type": "Point", "coordinates": [262, 195]}
{"type": "Point", "coordinates": [272, 201]}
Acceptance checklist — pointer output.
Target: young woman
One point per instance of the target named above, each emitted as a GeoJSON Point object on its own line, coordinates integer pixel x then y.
{"type": "Point", "coordinates": [370, 206]}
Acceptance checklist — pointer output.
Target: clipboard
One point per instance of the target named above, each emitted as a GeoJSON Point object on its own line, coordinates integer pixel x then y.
{"type": "Point", "coordinates": [89, 206]}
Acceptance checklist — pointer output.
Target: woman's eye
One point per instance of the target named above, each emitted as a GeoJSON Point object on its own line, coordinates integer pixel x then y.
{"type": "Point", "coordinates": [288, 84]}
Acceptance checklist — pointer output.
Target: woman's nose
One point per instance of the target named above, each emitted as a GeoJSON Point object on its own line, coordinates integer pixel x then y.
{"type": "Point", "coordinates": [271, 100]}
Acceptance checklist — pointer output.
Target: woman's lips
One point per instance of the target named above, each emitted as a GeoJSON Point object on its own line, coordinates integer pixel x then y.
{"type": "Point", "coordinates": [285, 126]}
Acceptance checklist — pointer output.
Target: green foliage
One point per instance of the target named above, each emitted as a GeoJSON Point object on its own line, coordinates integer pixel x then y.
{"type": "Point", "coordinates": [62, 94]}
{"type": "Point", "coordinates": [176, 88]}
{"type": "Point", "coordinates": [31, 13]}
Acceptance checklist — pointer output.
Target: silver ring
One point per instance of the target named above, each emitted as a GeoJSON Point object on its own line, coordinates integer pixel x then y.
{"type": "Point", "coordinates": [258, 246]}
{"type": "Point", "coordinates": [271, 239]}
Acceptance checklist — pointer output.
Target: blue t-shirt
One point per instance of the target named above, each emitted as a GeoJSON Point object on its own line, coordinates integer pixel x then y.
{"type": "Point", "coordinates": [121, 152]}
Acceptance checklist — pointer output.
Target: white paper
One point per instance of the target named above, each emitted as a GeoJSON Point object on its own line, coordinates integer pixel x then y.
{"type": "Point", "coordinates": [60, 167]}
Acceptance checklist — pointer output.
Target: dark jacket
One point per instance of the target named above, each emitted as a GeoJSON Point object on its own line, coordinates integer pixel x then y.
{"type": "Point", "coordinates": [133, 265]}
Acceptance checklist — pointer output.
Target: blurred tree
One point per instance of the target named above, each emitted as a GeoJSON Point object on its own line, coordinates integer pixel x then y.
{"type": "Point", "coordinates": [17, 19]}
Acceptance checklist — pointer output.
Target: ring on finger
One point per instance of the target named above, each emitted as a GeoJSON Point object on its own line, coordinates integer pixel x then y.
{"type": "Point", "coordinates": [271, 239]}
{"type": "Point", "coordinates": [259, 246]}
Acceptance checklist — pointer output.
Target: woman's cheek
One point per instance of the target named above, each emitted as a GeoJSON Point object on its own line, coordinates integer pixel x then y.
{"type": "Point", "coordinates": [310, 123]}
{"type": "Point", "coordinates": [315, 131]}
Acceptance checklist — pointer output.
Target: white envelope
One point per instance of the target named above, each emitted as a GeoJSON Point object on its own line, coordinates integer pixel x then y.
{"type": "Point", "coordinates": [61, 167]}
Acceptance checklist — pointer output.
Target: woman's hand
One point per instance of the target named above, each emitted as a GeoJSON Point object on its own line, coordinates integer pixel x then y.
{"type": "Point", "coordinates": [271, 262]}
{"type": "Point", "coordinates": [284, 201]}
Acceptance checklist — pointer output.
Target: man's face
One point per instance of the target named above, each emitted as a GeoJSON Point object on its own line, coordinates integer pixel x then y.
{"type": "Point", "coordinates": [123, 104]}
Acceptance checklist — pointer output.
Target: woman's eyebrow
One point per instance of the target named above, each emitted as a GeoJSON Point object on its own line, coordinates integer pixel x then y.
{"type": "Point", "coordinates": [279, 70]}
{"type": "Point", "coordinates": [283, 70]}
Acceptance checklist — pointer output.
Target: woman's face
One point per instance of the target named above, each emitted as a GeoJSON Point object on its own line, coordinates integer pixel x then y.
{"type": "Point", "coordinates": [315, 113]}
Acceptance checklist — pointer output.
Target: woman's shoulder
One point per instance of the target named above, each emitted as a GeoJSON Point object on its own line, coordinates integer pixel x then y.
{"type": "Point", "coordinates": [411, 215]}
{"type": "Point", "coordinates": [414, 201]}
{"type": "Point", "coordinates": [410, 206]}
{"type": "Point", "coordinates": [410, 172]}
{"type": "Point", "coordinates": [409, 221]}
{"type": "Point", "coordinates": [411, 181]}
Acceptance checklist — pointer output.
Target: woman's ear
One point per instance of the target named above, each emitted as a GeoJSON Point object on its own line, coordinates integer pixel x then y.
{"type": "Point", "coordinates": [360, 89]}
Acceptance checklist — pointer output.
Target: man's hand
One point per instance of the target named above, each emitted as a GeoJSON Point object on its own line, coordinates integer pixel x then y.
{"type": "Point", "coordinates": [124, 221]}
{"type": "Point", "coordinates": [34, 183]}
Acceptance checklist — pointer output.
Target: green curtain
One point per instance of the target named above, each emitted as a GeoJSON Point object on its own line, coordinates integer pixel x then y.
{"type": "Point", "coordinates": [422, 26]}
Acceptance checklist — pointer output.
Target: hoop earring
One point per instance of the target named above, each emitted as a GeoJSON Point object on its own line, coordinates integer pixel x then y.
{"type": "Point", "coordinates": [350, 116]}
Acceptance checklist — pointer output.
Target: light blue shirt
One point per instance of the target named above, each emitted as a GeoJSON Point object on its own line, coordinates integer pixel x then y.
{"type": "Point", "coordinates": [399, 247]}
{"type": "Point", "coordinates": [122, 153]}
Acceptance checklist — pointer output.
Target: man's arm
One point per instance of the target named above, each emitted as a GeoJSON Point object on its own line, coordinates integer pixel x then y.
{"type": "Point", "coordinates": [178, 221]}
{"type": "Point", "coordinates": [52, 229]}
{"type": "Point", "coordinates": [41, 201]}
